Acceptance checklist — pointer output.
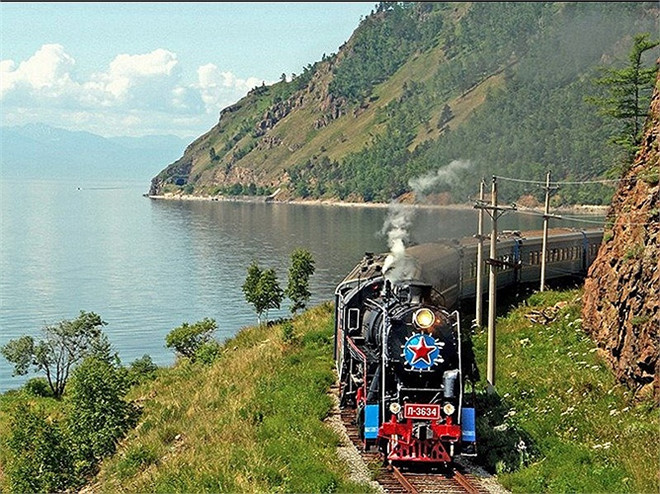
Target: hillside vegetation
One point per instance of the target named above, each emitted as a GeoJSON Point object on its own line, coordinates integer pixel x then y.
{"type": "Point", "coordinates": [253, 419]}
{"type": "Point", "coordinates": [500, 86]}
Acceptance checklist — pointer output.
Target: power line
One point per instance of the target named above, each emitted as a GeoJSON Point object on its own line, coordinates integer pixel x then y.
{"type": "Point", "coordinates": [537, 182]}
{"type": "Point", "coordinates": [582, 220]}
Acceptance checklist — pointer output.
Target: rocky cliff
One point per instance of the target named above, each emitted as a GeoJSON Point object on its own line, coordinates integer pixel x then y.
{"type": "Point", "coordinates": [622, 291]}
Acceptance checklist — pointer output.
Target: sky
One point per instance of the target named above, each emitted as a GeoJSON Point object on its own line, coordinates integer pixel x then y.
{"type": "Point", "coordinates": [135, 69]}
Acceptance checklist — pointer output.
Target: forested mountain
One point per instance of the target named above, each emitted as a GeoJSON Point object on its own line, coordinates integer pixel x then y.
{"type": "Point", "coordinates": [449, 92]}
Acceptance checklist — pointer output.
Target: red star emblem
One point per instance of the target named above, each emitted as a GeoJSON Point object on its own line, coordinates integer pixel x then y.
{"type": "Point", "coordinates": [421, 352]}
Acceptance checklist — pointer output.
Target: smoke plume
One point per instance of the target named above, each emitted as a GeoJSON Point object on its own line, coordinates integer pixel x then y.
{"type": "Point", "coordinates": [447, 175]}
{"type": "Point", "coordinates": [400, 217]}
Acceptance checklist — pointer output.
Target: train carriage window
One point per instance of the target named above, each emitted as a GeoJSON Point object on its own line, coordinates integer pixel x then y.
{"type": "Point", "coordinates": [353, 322]}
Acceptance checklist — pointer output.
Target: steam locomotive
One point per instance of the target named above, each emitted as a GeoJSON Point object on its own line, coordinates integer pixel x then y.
{"type": "Point", "coordinates": [398, 353]}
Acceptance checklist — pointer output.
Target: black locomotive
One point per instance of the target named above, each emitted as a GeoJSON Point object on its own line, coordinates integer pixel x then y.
{"type": "Point", "coordinates": [398, 351]}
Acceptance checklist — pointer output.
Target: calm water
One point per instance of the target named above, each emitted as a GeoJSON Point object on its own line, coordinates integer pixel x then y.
{"type": "Point", "coordinates": [147, 266]}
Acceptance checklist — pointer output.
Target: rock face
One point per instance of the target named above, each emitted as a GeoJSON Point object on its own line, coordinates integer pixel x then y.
{"type": "Point", "coordinates": [621, 307]}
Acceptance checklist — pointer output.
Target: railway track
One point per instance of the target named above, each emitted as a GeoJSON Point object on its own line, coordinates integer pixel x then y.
{"type": "Point", "coordinates": [395, 480]}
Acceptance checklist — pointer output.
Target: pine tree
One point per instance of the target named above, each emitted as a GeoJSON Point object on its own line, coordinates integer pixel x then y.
{"type": "Point", "coordinates": [628, 96]}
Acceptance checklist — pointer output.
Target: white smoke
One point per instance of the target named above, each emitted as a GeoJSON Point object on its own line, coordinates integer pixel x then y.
{"type": "Point", "coordinates": [446, 175]}
{"type": "Point", "coordinates": [399, 218]}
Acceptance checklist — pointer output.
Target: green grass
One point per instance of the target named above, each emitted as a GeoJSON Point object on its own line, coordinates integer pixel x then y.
{"type": "Point", "coordinates": [250, 422]}
{"type": "Point", "coordinates": [253, 420]}
{"type": "Point", "coordinates": [582, 431]}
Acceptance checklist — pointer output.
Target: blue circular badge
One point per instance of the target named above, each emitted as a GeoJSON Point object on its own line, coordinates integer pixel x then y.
{"type": "Point", "coordinates": [421, 351]}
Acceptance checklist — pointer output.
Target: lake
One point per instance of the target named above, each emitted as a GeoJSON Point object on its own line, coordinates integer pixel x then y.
{"type": "Point", "coordinates": [146, 266]}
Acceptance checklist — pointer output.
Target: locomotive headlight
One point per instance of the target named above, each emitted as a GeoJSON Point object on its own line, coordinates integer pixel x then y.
{"type": "Point", "coordinates": [448, 409]}
{"type": "Point", "coordinates": [395, 408]}
{"type": "Point", "coordinates": [423, 318]}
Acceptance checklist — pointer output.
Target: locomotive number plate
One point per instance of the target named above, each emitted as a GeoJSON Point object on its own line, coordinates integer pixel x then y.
{"type": "Point", "coordinates": [419, 411]}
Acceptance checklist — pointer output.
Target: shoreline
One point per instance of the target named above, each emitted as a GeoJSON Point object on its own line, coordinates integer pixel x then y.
{"type": "Point", "coordinates": [589, 210]}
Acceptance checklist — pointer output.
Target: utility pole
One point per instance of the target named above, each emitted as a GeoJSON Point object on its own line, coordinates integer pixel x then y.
{"type": "Point", "coordinates": [546, 217]}
{"type": "Point", "coordinates": [480, 257]}
{"type": "Point", "coordinates": [492, 290]}
{"type": "Point", "coordinates": [495, 212]}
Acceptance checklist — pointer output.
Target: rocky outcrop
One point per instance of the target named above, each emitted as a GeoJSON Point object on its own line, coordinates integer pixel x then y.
{"type": "Point", "coordinates": [178, 173]}
{"type": "Point", "coordinates": [621, 307]}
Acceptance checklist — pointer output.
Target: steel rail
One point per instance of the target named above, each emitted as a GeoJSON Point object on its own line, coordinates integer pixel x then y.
{"type": "Point", "coordinates": [465, 483]}
{"type": "Point", "coordinates": [405, 483]}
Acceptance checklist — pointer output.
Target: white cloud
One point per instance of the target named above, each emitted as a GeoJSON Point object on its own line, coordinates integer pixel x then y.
{"type": "Point", "coordinates": [128, 72]}
{"type": "Point", "coordinates": [219, 89]}
{"type": "Point", "coordinates": [133, 91]}
{"type": "Point", "coordinates": [44, 74]}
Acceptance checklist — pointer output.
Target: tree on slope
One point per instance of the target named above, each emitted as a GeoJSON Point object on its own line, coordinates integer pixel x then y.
{"type": "Point", "coordinates": [301, 268]}
{"type": "Point", "coordinates": [64, 345]}
{"type": "Point", "coordinates": [261, 289]}
{"type": "Point", "coordinates": [628, 93]}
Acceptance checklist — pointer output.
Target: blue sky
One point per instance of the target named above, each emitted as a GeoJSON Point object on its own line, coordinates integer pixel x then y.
{"type": "Point", "coordinates": [116, 68]}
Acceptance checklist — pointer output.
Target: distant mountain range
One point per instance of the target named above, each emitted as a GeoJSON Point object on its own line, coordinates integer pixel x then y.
{"type": "Point", "coordinates": [39, 151]}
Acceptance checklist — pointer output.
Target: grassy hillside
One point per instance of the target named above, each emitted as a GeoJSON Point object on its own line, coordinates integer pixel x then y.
{"type": "Point", "coordinates": [419, 85]}
{"type": "Point", "coordinates": [252, 421]}
{"type": "Point", "coordinates": [560, 422]}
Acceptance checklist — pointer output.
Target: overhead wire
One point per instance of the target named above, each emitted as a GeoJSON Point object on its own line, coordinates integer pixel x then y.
{"type": "Point", "coordinates": [571, 218]}
{"type": "Point", "coordinates": [538, 182]}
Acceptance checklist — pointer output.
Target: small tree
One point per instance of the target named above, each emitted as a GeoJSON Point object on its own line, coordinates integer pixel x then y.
{"type": "Point", "coordinates": [99, 415]}
{"type": "Point", "coordinates": [271, 295]}
{"type": "Point", "coordinates": [301, 268]}
{"type": "Point", "coordinates": [262, 290]}
{"type": "Point", "coordinates": [187, 338]}
{"type": "Point", "coordinates": [250, 285]}
{"type": "Point", "coordinates": [64, 345]}
{"type": "Point", "coordinates": [628, 95]}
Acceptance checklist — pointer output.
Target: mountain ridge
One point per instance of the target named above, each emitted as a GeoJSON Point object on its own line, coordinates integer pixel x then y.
{"type": "Point", "coordinates": [419, 85]}
{"type": "Point", "coordinates": [40, 151]}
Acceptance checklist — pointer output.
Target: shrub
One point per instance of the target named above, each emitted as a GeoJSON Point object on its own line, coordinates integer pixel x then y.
{"type": "Point", "coordinates": [38, 386]}
{"type": "Point", "coordinates": [40, 459]}
{"type": "Point", "coordinates": [288, 334]}
{"type": "Point", "coordinates": [141, 370]}
{"type": "Point", "coordinates": [187, 338]}
{"type": "Point", "coordinates": [208, 352]}
{"type": "Point", "coordinates": [99, 415]}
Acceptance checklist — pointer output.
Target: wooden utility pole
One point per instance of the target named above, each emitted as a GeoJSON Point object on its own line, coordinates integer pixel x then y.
{"type": "Point", "coordinates": [495, 212]}
{"type": "Point", "coordinates": [546, 217]}
{"type": "Point", "coordinates": [492, 289]}
{"type": "Point", "coordinates": [480, 258]}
